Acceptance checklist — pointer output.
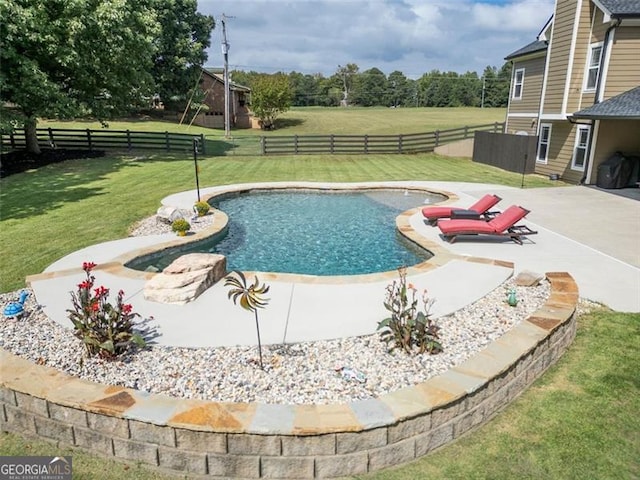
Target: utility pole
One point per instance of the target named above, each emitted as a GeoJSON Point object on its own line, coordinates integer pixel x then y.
{"type": "Point", "coordinates": [225, 52]}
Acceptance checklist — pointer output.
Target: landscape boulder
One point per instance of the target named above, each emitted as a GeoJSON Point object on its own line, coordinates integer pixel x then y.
{"type": "Point", "coordinates": [166, 214]}
{"type": "Point", "coordinates": [527, 278]}
{"type": "Point", "coordinates": [186, 278]}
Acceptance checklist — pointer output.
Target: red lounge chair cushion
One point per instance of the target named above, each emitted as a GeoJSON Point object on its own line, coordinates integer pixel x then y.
{"type": "Point", "coordinates": [498, 225]}
{"type": "Point", "coordinates": [481, 206]}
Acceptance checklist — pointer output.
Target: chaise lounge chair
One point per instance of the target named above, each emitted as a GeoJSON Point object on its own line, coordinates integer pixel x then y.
{"type": "Point", "coordinates": [481, 208]}
{"type": "Point", "coordinates": [503, 225]}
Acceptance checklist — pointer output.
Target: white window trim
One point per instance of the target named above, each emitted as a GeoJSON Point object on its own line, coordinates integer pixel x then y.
{"type": "Point", "coordinates": [515, 76]}
{"type": "Point", "coordinates": [576, 143]}
{"type": "Point", "coordinates": [587, 67]}
{"type": "Point", "coordinates": [546, 156]}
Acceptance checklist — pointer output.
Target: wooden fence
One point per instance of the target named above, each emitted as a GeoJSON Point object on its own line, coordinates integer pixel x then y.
{"type": "Point", "coordinates": [369, 144]}
{"type": "Point", "coordinates": [105, 139]}
{"type": "Point", "coordinates": [514, 153]}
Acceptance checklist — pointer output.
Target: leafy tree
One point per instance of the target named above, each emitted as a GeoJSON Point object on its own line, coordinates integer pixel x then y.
{"type": "Point", "coordinates": [270, 96]}
{"type": "Point", "coordinates": [400, 91]}
{"type": "Point", "coordinates": [370, 88]}
{"type": "Point", "coordinates": [181, 48]}
{"type": "Point", "coordinates": [64, 59]}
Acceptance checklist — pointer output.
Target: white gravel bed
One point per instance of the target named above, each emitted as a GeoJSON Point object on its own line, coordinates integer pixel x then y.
{"type": "Point", "coordinates": [303, 373]}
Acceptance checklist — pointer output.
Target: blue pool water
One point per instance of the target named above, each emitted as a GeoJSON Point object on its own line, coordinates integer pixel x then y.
{"type": "Point", "coordinates": [311, 232]}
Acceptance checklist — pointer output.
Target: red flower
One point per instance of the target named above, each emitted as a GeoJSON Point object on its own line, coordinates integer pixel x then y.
{"type": "Point", "coordinates": [101, 291]}
{"type": "Point", "coordinates": [85, 285]}
{"type": "Point", "coordinates": [88, 266]}
{"type": "Point", "coordinates": [95, 306]}
{"type": "Point", "coordinates": [126, 308]}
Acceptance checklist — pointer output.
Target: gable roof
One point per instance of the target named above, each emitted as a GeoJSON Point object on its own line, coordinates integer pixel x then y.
{"type": "Point", "coordinates": [217, 74]}
{"type": "Point", "coordinates": [533, 47]}
{"type": "Point", "coordinates": [625, 106]}
{"type": "Point", "coordinates": [620, 8]}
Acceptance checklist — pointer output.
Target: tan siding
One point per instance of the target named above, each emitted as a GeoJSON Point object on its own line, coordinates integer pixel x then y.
{"type": "Point", "coordinates": [615, 136]}
{"type": "Point", "coordinates": [520, 124]}
{"type": "Point", "coordinates": [624, 66]}
{"type": "Point", "coordinates": [560, 153]}
{"type": "Point", "coordinates": [559, 55]}
{"type": "Point", "coordinates": [577, 99]}
{"type": "Point", "coordinates": [532, 86]}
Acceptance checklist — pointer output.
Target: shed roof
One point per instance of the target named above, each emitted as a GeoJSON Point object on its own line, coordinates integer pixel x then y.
{"type": "Point", "coordinates": [217, 73]}
{"type": "Point", "coordinates": [625, 106]}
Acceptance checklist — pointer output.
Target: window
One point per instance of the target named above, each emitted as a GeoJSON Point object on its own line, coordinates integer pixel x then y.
{"type": "Point", "coordinates": [518, 83]}
{"type": "Point", "coordinates": [580, 149]}
{"type": "Point", "coordinates": [543, 143]}
{"type": "Point", "coordinates": [593, 66]}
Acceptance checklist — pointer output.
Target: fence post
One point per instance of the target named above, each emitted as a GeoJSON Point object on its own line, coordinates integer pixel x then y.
{"type": "Point", "coordinates": [51, 142]}
{"type": "Point", "coordinates": [128, 139]}
{"type": "Point", "coordinates": [202, 144]}
{"type": "Point", "coordinates": [400, 143]}
{"type": "Point", "coordinates": [366, 144]}
{"type": "Point", "coordinates": [13, 140]}
{"type": "Point", "coordinates": [295, 144]}
{"type": "Point", "coordinates": [166, 141]}
{"type": "Point", "coordinates": [332, 144]}
{"type": "Point", "coordinates": [89, 139]}
{"type": "Point", "coordinates": [437, 134]}
{"type": "Point", "coordinates": [466, 131]}
{"type": "Point", "coordinates": [263, 146]}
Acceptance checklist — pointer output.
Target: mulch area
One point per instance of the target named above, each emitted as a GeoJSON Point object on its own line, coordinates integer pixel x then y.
{"type": "Point", "coordinates": [19, 161]}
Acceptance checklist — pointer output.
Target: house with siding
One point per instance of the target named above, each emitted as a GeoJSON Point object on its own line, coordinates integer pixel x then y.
{"type": "Point", "coordinates": [577, 87]}
{"type": "Point", "coordinates": [212, 86]}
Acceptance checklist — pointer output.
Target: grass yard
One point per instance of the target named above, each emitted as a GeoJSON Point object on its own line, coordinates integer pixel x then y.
{"type": "Point", "coordinates": [579, 421]}
{"type": "Point", "coordinates": [324, 120]}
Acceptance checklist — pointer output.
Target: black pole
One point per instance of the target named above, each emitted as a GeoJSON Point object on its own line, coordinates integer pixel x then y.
{"type": "Point", "coordinates": [524, 168]}
{"type": "Point", "coordinates": [195, 163]}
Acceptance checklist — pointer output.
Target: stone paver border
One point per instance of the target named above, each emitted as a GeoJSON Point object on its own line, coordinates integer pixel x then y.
{"type": "Point", "coordinates": [248, 440]}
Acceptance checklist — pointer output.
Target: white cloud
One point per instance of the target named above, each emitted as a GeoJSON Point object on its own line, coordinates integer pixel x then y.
{"type": "Point", "coordinates": [413, 36]}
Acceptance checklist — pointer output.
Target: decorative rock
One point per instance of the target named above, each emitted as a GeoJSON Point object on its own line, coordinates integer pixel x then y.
{"type": "Point", "coordinates": [186, 278]}
{"type": "Point", "coordinates": [167, 214]}
{"type": "Point", "coordinates": [527, 278]}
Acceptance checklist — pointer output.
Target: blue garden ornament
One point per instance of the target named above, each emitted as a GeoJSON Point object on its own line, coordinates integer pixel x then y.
{"type": "Point", "coordinates": [16, 309]}
{"type": "Point", "coordinates": [511, 299]}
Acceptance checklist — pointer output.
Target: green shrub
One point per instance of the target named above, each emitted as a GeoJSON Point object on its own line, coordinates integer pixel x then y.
{"type": "Point", "coordinates": [202, 208]}
{"type": "Point", "coordinates": [106, 330]}
{"type": "Point", "coordinates": [180, 225]}
{"type": "Point", "coordinates": [407, 327]}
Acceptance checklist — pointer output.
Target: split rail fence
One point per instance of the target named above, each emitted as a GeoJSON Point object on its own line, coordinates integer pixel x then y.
{"type": "Point", "coordinates": [105, 139]}
{"type": "Point", "coordinates": [369, 144]}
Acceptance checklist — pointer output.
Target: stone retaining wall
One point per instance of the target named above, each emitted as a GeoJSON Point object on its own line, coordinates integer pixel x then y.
{"type": "Point", "coordinates": [223, 440]}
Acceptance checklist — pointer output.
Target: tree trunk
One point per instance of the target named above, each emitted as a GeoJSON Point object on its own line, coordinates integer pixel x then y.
{"type": "Point", "coordinates": [31, 137]}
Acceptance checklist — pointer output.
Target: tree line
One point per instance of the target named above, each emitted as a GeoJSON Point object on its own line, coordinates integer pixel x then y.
{"type": "Point", "coordinates": [349, 86]}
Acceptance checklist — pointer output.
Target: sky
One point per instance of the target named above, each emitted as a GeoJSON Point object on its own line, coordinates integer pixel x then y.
{"type": "Point", "coordinates": [412, 36]}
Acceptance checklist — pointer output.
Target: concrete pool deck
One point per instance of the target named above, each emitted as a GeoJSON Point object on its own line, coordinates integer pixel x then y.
{"type": "Point", "coordinates": [311, 308]}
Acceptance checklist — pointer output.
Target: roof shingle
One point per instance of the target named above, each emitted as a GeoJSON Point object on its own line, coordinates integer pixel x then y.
{"type": "Point", "coordinates": [625, 106]}
{"type": "Point", "coordinates": [622, 8]}
{"type": "Point", "coordinates": [535, 46]}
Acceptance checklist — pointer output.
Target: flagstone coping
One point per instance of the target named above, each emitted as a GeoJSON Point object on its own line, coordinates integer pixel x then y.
{"type": "Point", "coordinates": [220, 221]}
{"type": "Point", "coordinates": [250, 440]}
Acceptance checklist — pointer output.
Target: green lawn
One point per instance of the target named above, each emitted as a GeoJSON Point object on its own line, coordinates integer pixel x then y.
{"type": "Point", "coordinates": [579, 421]}
{"type": "Point", "coordinates": [322, 120]}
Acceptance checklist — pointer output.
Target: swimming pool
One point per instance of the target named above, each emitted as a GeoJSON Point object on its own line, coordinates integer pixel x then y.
{"type": "Point", "coordinates": [310, 232]}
